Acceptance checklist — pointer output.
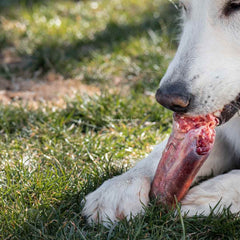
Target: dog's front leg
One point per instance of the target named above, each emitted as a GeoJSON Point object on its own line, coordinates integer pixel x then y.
{"type": "Point", "coordinates": [223, 190]}
{"type": "Point", "coordinates": [126, 194]}
{"type": "Point", "coordinates": [123, 195]}
{"type": "Point", "coordinates": [213, 195]}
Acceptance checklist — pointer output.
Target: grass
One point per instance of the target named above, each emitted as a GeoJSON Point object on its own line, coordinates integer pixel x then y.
{"type": "Point", "coordinates": [52, 157]}
{"type": "Point", "coordinates": [50, 160]}
{"type": "Point", "coordinates": [97, 42]}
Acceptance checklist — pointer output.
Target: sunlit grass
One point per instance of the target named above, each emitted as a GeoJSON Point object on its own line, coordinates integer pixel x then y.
{"type": "Point", "coordinates": [47, 156]}
{"type": "Point", "coordinates": [51, 158]}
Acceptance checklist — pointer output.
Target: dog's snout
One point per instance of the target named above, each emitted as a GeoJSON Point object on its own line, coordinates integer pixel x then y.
{"type": "Point", "coordinates": [174, 97]}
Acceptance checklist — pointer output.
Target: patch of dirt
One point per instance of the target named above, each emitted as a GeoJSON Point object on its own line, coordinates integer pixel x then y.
{"type": "Point", "coordinates": [50, 90]}
{"type": "Point", "coordinates": [53, 90]}
{"type": "Point", "coordinates": [33, 90]}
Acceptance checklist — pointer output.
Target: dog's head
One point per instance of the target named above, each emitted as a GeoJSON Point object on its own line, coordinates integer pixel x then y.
{"type": "Point", "coordinates": [204, 76]}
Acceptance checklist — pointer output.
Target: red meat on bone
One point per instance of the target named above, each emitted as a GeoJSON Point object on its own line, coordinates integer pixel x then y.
{"type": "Point", "coordinates": [187, 149]}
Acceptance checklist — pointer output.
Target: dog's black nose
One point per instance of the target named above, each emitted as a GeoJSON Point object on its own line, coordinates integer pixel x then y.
{"type": "Point", "coordinates": [174, 97]}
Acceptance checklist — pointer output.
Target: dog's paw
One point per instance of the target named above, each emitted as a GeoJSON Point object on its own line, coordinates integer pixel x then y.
{"type": "Point", "coordinates": [116, 199]}
{"type": "Point", "coordinates": [213, 195]}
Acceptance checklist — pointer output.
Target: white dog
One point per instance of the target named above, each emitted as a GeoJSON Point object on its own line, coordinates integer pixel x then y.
{"type": "Point", "coordinates": [203, 78]}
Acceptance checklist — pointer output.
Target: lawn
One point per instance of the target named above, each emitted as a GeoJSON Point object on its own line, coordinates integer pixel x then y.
{"type": "Point", "coordinates": [52, 156]}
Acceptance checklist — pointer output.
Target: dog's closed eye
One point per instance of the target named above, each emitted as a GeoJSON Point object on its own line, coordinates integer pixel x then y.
{"type": "Point", "coordinates": [231, 7]}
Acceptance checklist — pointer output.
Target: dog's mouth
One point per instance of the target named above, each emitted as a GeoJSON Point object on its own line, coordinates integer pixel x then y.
{"type": "Point", "coordinates": [187, 149]}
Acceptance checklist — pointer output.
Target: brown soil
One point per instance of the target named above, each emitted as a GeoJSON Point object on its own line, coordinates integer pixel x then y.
{"type": "Point", "coordinates": [53, 89]}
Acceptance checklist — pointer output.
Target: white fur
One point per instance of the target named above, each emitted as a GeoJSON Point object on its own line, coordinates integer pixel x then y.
{"type": "Point", "coordinates": [214, 194]}
{"type": "Point", "coordinates": [208, 61]}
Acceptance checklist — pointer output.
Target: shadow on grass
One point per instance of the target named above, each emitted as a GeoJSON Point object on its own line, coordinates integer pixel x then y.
{"type": "Point", "coordinates": [6, 5]}
{"type": "Point", "coordinates": [52, 55]}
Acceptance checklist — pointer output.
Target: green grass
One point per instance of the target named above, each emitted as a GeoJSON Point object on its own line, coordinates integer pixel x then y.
{"type": "Point", "coordinates": [50, 158]}
{"type": "Point", "coordinates": [97, 42]}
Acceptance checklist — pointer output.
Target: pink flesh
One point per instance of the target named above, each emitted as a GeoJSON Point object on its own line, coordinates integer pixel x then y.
{"type": "Point", "coordinates": [187, 149]}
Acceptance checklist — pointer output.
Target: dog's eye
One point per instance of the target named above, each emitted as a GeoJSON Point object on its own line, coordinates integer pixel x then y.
{"type": "Point", "coordinates": [231, 7]}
